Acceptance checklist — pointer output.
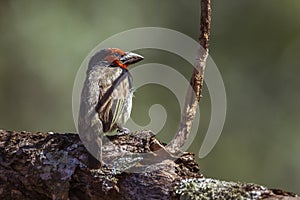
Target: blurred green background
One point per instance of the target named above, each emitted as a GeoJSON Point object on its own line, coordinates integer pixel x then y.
{"type": "Point", "coordinates": [255, 44]}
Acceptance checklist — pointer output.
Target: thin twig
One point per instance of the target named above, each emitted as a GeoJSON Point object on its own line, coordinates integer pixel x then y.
{"type": "Point", "coordinates": [194, 92]}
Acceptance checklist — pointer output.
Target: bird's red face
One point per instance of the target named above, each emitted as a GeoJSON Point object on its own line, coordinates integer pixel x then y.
{"type": "Point", "coordinates": [119, 58]}
{"type": "Point", "coordinates": [114, 56]}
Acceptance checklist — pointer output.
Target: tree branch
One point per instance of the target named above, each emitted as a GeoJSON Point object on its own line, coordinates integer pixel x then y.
{"type": "Point", "coordinates": [194, 92]}
{"type": "Point", "coordinates": [54, 166]}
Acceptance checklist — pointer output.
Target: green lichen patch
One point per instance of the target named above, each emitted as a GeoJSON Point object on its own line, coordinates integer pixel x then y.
{"type": "Point", "coordinates": [210, 189]}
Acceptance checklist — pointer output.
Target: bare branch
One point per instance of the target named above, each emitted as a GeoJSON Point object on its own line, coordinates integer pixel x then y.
{"type": "Point", "coordinates": [194, 92]}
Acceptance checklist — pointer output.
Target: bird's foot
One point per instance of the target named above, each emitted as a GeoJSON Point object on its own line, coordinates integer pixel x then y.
{"type": "Point", "coordinates": [123, 131]}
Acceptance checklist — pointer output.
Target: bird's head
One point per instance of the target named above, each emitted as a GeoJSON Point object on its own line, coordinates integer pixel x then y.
{"type": "Point", "coordinates": [114, 57]}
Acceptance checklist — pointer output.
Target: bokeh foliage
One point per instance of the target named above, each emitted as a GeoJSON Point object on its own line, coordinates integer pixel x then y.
{"type": "Point", "coordinates": [255, 44]}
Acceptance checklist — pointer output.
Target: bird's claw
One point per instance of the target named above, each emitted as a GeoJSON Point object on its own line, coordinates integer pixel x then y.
{"type": "Point", "coordinates": [123, 131]}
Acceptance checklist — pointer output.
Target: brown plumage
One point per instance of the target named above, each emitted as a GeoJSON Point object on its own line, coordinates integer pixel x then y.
{"type": "Point", "coordinates": [106, 97]}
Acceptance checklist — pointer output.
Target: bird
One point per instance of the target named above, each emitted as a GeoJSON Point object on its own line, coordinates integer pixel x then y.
{"type": "Point", "coordinates": [106, 97]}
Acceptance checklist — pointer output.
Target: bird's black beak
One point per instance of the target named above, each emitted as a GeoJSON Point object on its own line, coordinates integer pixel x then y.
{"type": "Point", "coordinates": [131, 58]}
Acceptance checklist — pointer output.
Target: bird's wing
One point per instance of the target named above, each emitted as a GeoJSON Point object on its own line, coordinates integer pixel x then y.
{"type": "Point", "coordinates": [112, 100]}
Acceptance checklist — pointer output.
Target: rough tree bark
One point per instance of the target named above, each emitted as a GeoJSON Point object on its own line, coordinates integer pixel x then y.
{"type": "Point", "coordinates": [54, 166]}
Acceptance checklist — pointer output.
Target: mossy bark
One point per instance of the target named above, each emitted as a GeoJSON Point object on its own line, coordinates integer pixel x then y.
{"type": "Point", "coordinates": [55, 166]}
